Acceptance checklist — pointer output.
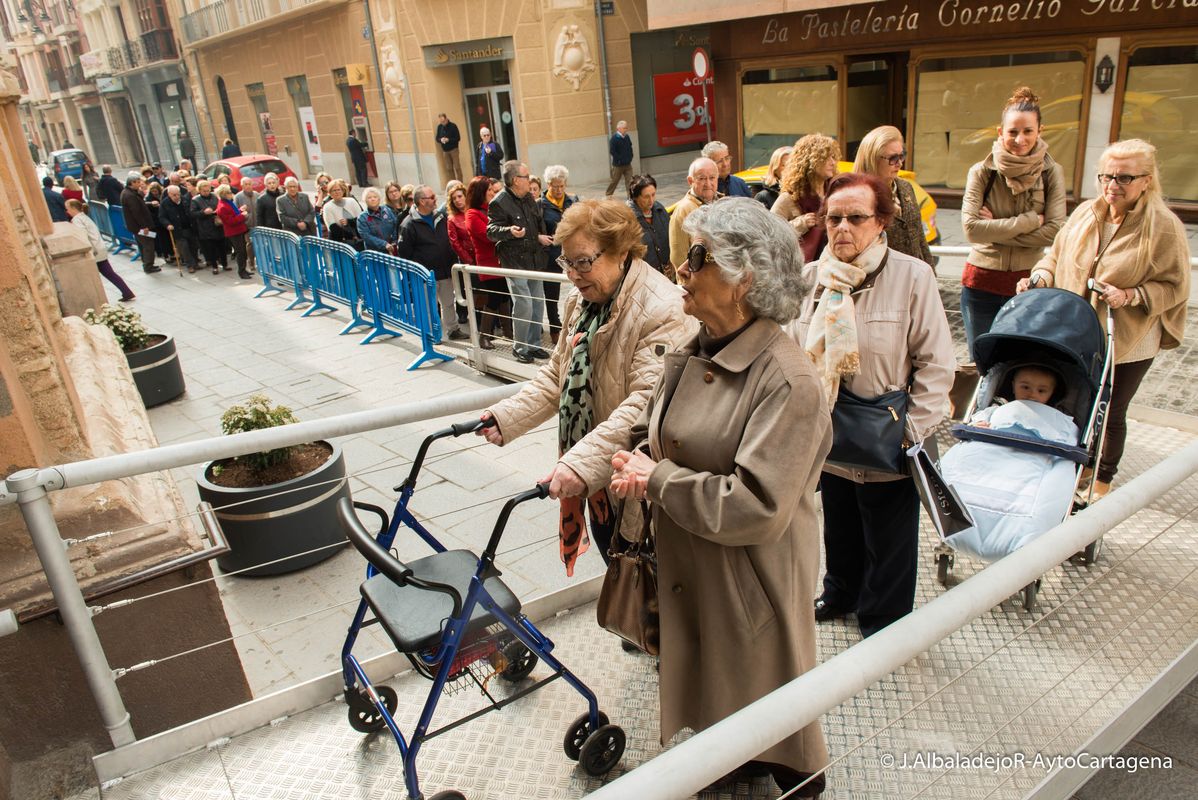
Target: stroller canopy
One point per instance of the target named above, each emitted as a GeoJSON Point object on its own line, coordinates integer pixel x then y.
{"type": "Point", "coordinates": [1055, 319]}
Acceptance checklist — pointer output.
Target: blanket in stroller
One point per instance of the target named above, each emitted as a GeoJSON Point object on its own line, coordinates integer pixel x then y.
{"type": "Point", "coordinates": [1013, 495]}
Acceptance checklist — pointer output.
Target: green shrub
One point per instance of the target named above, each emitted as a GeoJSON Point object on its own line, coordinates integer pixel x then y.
{"type": "Point", "coordinates": [256, 414]}
{"type": "Point", "coordinates": [125, 324]}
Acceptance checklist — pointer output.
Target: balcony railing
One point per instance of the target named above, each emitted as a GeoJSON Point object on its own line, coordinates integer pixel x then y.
{"type": "Point", "coordinates": [151, 47]}
{"type": "Point", "coordinates": [75, 76]}
{"type": "Point", "coordinates": [224, 16]}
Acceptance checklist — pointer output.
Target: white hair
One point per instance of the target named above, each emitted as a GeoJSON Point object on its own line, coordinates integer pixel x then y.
{"type": "Point", "coordinates": [698, 164]}
{"type": "Point", "coordinates": [713, 147]}
{"type": "Point", "coordinates": [372, 190]}
{"type": "Point", "coordinates": [290, 180]}
{"type": "Point", "coordinates": [556, 172]}
{"type": "Point", "coordinates": [749, 242]}
{"type": "Point", "coordinates": [484, 129]}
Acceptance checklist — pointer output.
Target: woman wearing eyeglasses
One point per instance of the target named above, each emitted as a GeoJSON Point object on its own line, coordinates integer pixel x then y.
{"type": "Point", "coordinates": [1013, 206]}
{"type": "Point", "coordinates": [1136, 250]}
{"type": "Point", "coordinates": [874, 324]}
{"type": "Point", "coordinates": [620, 319]}
{"type": "Point", "coordinates": [728, 453]}
{"type": "Point", "coordinates": [882, 154]}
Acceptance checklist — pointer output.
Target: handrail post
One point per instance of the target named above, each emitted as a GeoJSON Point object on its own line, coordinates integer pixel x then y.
{"type": "Point", "coordinates": [43, 530]}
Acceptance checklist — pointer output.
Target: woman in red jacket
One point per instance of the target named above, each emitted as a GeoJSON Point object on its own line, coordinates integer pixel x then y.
{"type": "Point", "coordinates": [490, 291]}
{"type": "Point", "coordinates": [232, 222]}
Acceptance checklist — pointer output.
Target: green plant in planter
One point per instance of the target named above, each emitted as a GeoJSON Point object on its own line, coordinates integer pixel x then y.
{"type": "Point", "coordinates": [125, 324]}
{"type": "Point", "coordinates": [256, 414]}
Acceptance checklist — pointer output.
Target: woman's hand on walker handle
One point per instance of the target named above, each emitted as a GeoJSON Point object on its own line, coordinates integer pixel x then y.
{"type": "Point", "coordinates": [491, 433]}
{"type": "Point", "coordinates": [564, 482]}
{"type": "Point", "coordinates": [630, 476]}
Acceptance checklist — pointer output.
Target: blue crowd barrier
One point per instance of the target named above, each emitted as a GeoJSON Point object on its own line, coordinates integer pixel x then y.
{"type": "Point", "coordinates": [121, 235]}
{"type": "Point", "coordinates": [333, 273]}
{"type": "Point", "coordinates": [280, 263]}
{"type": "Point", "coordinates": [403, 294]}
{"type": "Point", "coordinates": [98, 211]}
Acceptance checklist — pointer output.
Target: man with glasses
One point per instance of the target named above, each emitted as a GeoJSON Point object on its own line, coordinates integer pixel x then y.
{"type": "Point", "coordinates": [702, 177]}
{"type": "Point", "coordinates": [515, 224]}
{"type": "Point", "coordinates": [424, 238]}
{"type": "Point", "coordinates": [728, 184]}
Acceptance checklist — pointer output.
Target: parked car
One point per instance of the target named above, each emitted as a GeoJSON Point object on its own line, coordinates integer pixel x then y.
{"type": "Point", "coordinates": [253, 167]}
{"type": "Point", "coordinates": [64, 163]}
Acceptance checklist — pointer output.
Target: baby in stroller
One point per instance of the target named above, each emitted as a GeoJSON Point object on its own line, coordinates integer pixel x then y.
{"type": "Point", "coordinates": [1014, 495]}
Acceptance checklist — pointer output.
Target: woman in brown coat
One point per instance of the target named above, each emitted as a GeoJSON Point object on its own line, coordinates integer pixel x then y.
{"type": "Point", "coordinates": [1136, 248]}
{"type": "Point", "coordinates": [736, 433]}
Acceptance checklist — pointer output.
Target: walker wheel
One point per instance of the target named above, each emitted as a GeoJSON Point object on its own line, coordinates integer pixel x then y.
{"type": "Point", "coordinates": [520, 662]}
{"type": "Point", "coordinates": [944, 563]}
{"type": "Point", "coordinates": [448, 795]}
{"type": "Point", "coordinates": [580, 731]}
{"type": "Point", "coordinates": [1029, 595]}
{"type": "Point", "coordinates": [602, 750]}
{"type": "Point", "coordinates": [363, 716]}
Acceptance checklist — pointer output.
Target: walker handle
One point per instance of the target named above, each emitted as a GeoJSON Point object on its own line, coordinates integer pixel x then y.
{"type": "Point", "coordinates": [538, 492]}
{"type": "Point", "coordinates": [470, 426]}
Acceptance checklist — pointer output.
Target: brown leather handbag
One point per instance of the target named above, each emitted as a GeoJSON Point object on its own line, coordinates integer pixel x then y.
{"type": "Point", "coordinates": [628, 600]}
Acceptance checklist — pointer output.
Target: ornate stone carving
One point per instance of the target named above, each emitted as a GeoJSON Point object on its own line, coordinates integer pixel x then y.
{"type": "Point", "coordinates": [572, 56]}
{"type": "Point", "coordinates": [394, 80]}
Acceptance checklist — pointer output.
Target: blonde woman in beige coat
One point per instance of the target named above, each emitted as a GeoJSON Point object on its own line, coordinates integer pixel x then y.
{"type": "Point", "coordinates": [735, 435]}
{"type": "Point", "coordinates": [620, 320]}
{"type": "Point", "coordinates": [874, 324]}
{"type": "Point", "coordinates": [1136, 248]}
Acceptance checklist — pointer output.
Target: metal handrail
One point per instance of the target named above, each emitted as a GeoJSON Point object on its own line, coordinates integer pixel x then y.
{"type": "Point", "coordinates": [718, 750]}
{"type": "Point", "coordinates": [965, 250]}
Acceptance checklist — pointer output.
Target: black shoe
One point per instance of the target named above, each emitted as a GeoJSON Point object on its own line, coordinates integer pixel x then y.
{"type": "Point", "coordinates": [243, 274]}
{"type": "Point", "coordinates": [825, 611]}
{"type": "Point", "coordinates": [538, 352]}
{"type": "Point", "coordinates": [522, 356]}
{"type": "Point", "coordinates": [216, 270]}
{"type": "Point", "coordinates": [127, 299]}
{"type": "Point", "coordinates": [458, 335]}
{"type": "Point", "coordinates": [150, 270]}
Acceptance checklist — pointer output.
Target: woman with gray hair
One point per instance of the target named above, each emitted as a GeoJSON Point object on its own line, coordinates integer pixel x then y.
{"type": "Point", "coordinates": [727, 454]}
{"type": "Point", "coordinates": [554, 203]}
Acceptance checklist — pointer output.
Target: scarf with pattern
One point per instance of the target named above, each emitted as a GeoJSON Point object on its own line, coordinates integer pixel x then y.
{"type": "Point", "coordinates": [576, 418]}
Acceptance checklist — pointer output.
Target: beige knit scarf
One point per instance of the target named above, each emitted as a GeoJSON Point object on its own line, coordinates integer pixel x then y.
{"type": "Point", "coordinates": [832, 338]}
{"type": "Point", "coordinates": [1020, 172]}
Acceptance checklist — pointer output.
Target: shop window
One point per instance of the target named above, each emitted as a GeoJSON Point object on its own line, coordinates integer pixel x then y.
{"type": "Point", "coordinates": [959, 101]}
{"type": "Point", "coordinates": [782, 105]}
{"type": "Point", "coordinates": [1160, 105]}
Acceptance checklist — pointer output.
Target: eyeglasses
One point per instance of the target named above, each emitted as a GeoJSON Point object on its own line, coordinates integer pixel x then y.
{"type": "Point", "coordinates": [834, 220]}
{"type": "Point", "coordinates": [896, 159]}
{"type": "Point", "coordinates": [698, 257]}
{"type": "Point", "coordinates": [582, 265]}
{"type": "Point", "coordinates": [1122, 180]}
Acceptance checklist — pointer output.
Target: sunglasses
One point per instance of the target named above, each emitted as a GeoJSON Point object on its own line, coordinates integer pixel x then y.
{"type": "Point", "coordinates": [698, 257]}
{"type": "Point", "coordinates": [1122, 180]}
{"type": "Point", "coordinates": [896, 159]}
{"type": "Point", "coordinates": [834, 220]}
{"type": "Point", "coordinates": [582, 265]}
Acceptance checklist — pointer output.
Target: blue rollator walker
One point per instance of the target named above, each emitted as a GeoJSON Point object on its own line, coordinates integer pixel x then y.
{"type": "Point", "coordinates": [456, 621]}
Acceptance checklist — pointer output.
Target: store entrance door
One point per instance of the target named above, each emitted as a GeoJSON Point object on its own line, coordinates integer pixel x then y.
{"type": "Point", "coordinates": [492, 107]}
{"type": "Point", "coordinates": [876, 94]}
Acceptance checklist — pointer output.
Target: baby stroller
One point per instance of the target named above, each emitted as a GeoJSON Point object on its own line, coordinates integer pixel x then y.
{"type": "Point", "coordinates": [1059, 331]}
{"type": "Point", "coordinates": [459, 625]}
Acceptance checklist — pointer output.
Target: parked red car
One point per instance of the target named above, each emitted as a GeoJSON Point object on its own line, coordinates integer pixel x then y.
{"type": "Point", "coordinates": [253, 167]}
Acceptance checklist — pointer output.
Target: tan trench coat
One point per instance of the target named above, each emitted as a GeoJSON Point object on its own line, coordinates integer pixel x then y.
{"type": "Point", "coordinates": [646, 322]}
{"type": "Point", "coordinates": [739, 440]}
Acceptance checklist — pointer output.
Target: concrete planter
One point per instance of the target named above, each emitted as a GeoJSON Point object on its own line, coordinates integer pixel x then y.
{"type": "Point", "coordinates": [157, 372]}
{"type": "Point", "coordinates": [280, 520]}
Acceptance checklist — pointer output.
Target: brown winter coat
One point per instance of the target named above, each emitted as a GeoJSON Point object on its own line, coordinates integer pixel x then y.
{"type": "Point", "coordinates": [646, 322]}
{"type": "Point", "coordinates": [1014, 240]}
{"type": "Point", "coordinates": [1149, 252]}
{"type": "Point", "coordinates": [739, 441]}
{"type": "Point", "coordinates": [905, 231]}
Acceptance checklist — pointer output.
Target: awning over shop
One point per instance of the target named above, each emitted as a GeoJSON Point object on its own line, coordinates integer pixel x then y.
{"type": "Point", "coordinates": [671, 14]}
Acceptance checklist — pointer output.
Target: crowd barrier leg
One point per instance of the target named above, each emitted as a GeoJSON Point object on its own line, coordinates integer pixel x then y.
{"type": "Point", "coordinates": [430, 327]}
{"type": "Point", "coordinates": [313, 262]}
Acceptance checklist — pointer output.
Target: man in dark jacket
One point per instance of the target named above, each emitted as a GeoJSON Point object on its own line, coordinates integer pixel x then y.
{"type": "Point", "coordinates": [424, 238]}
{"type": "Point", "coordinates": [187, 148]}
{"type": "Point", "coordinates": [515, 224]}
{"type": "Point", "coordinates": [620, 150]}
{"type": "Point", "coordinates": [54, 201]}
{"type": "Point", "coordinates": [357, 155]}
{"type": "Point", "coordinates": [268, 203]}
{"type": "Point", "coordinates": [448, 137]}
{"type": "Point", "coordinates": [175, 216]}
{"type": "Point", "coordinates": [727, 184]}
{"type": "Point", "coordinates": [109, 188]}
{"type": "Point", "coordinates": [208, 227]}
{"type": "Point", "coordinates": [139, 220]}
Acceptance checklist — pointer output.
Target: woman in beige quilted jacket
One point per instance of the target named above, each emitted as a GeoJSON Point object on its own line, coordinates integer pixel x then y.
{"type": "Point", "coordinates": [620, 320]}
{"type": "Point", "coordinates": [1014, 204]}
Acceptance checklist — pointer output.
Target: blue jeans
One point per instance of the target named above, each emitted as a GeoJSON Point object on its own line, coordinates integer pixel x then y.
{"type": "Point", "coordinates": [978, 310]}
{"type": "Point", "coordinates": [528, 309]}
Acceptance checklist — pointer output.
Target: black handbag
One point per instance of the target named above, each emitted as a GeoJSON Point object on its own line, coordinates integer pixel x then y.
{"type": "Point", "coordinates": [867, 433]}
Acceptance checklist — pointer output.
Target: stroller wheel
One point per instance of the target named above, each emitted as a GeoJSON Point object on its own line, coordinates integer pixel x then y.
{"type": "Point", "coordinates": [602, 750]}
{"type": "Point", "coordinates": [520, 662]}
{"type": "Point", "coordinates": [449, 795]}
{"type": "Point", "coordinates": [944, 563]}
{"type": "Point", "coordinates": [363, 716]}
{"type": "Point", "coordinates": [580, 731]}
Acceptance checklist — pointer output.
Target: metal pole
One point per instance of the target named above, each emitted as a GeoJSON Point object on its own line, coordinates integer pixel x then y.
{"type": "Point", "coordinates": [378, 72]}
{"type": "Point", "coordinates": [43, 530]}
{"type": "Point", "coordinates": [603, 64]}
